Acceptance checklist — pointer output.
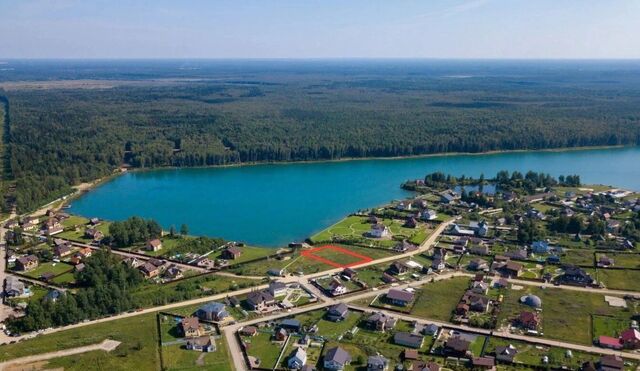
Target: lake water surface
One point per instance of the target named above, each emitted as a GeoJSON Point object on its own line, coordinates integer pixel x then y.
{"type": "Point", "coordinates": [272, 205]}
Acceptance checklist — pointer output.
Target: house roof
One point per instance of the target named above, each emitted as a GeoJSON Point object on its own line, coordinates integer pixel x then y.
{"type": "Point", "coordinates": [155, 242]}
{"type": "Point", "coordinates": [407, 338]}
{"type": "Point", "coordinates": [27, 259]}
{"type": "Point", "coordinates": [395, 294]}
{"type": "Point", "coordinates": [190, 323]}
{"type": "Point", "coordinates": [213, 307]}
{"type": "Point", "coordinates": [609, 341]}
{"type": "Point", "coordinates": [458, 344]}
{"type": "Point", "coordinates": [290, 322]}
{"type": "Point", "coordinates": [202, 341]}
{"type": "Point", "coordinates": [612, 361]}
{"type": "Point", "coordinates": [377, 362]}
{"type": "Point", "coordinates": [630, 334]}
{"type": "Point", "coordinates": [483, 361]}
{"type": "Point", "coordinates": [234, 250]}
{"type": "Point", "coordinates": [339, 309]}
{"type": "Point", "coordinates": [277, 285]}
{"type": "Point", "coordinates": [257, 297]}
{"type": "Point", "coordinates": [337, 355]}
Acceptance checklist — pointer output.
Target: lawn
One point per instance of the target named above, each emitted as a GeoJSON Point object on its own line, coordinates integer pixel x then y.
{"type": "Point", "coordinates": [608, 326]}
{"type": "Point", "coordinates": [176, 358]}
{"type": "Point", "coordinates": [556, 304]}
{"type": "Point", "coordinates": [261, 347]}
{"type": "Point", "coordinates": [620, 279]}
{"type": "Point", "coordinates": [138, 351]}
{"type": "Point", "coordinates": [307, 265]}
{"type": "Point", "coordinates": [55, 268]}
{"type": "Point", "coordinates": [531, 355]}
{"type": "Point", "coordinates": [78, 235]}
{"type": "Point", "coordinates": [332, 330]}
{"type": "Point", "coordinates": [437, 300]}
{"type": "Point", "coordinates": [158, 294]}
{"type": "Point", "coordinates": [580, 257]}
{"type": "Point", "coordinates": [623, 260]}
{"type": "Point", "coordinates": [354, 228]}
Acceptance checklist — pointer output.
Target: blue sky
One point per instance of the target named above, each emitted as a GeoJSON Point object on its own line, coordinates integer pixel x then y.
{"type": "Point", "coordinates": [320, 29]}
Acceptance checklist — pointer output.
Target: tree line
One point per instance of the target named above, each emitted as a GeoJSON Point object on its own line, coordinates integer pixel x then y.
{"type": "Point", "coordinates": [60, 137]}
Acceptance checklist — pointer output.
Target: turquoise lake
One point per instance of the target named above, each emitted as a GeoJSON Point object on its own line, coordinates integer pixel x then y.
{"type": "Point", "coordinates": [274, 204]}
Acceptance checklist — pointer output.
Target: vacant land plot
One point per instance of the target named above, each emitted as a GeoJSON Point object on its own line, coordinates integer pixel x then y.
{"type": "Point", "coordinates": [138, 351]}
{"type": "Point", "coordinates": [532, 355]}
{"type": "Point", "coordinates": [608, 326]}
{"type": "Point", "coordinates": [581, 257]}
{"type": "Point", "coordinates": [336, 256]}
{"type": "Point", "coordinates": [620, 279]}
{"type": "Point", "coordinates": [354, 229]}
{"type": "Point", "coordinates": [566, 314]}
{"type": "Point", "coordinates": [437, 300]}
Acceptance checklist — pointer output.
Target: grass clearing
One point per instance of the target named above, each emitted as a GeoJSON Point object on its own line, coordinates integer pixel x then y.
{"type": "Point", "coordinates": [437, 300]}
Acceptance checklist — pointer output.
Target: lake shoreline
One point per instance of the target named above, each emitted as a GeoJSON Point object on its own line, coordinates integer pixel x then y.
{"type": "Point", "coordinates": [394, 158]}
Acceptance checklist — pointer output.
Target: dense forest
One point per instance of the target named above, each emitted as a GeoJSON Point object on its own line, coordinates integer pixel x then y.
{"type": "Point", "coordinates": [62, 133]}
{"type": "Point", "coordinates": [105, 286]}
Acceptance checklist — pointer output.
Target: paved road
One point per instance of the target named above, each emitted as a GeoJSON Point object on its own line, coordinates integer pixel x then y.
{"type": "Point", "coordinates": [107, 346]}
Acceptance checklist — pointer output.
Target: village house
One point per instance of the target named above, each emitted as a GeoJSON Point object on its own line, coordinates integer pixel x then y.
{"type": "Point", "coordinates": [12, 224]}
{"type": "Point", "coordinates": [399, 297]}
{"type": "Point", "coordinates": [478, 264]}
{"type": "Point", "coordinates": [261, 301]}
{"type": "Point", "coordinates": [574, 276]}
{"type": "Point", "coordinates": [29, 223]}
{"type": "Point", "coordinates": [630, 338]}
{"type": "Point", "coordinates": [336, 359]}
{"type": "Point", "coordinates": [438, 263]}
{"type": "Point", "coordinates": [479, 228]}
{"type": "Point", "coordinates": [380, 322]}
{"type": "Point", "coordinates": [93, 234]}
{"type": "Point", "coordinates": [408, 340]}
{"type": "Point", "coordinates": [336, 288]}
{"type": "Point", "coordinates": [52, 226]}
{"type": "Point", "coordinates": [291, 324]}
{"type": "Point", "coordinates": [154, 245]}
{"type": "Point", "coordinates": [480, 287]}
{"type": "Point", "coordinates": [231, 253]}
{"type": "Point", "coordinates": [609, 342]}
{"type": "Point", "coordinates": [540, 247]}
{"type": "Point", "coordinates": [13, 287]}
{"type": "Point", "coordinates": [506, 353]}
{"type": "Point", "coordinates": [377, 363]}
{"type": "Point", "coordinates": [404, 246]}
{"type": "Point", "coordinates": [419, 365]}
{"type": "Point", "coordinates": [277, 288]}
{"type": "Point", "coordinates": [173, 272]}
{"type": "Point", "coordinates": [461, 231]}
{"type": "Point", "coordinates": [149, 270]}
{"type": "Point", "coordinates": [429, 215]}
{"type": "Point", "coordinates": [249, 331]}
{"type": "Point", "coordinates": [404, 206]}
{"type": "Point", "coordinates": [201, 344]}
{"type": "Point", "coordinates": [337, 312]}
{"type": "Point", "coordinates": [410, 222]}
{"type": "Point", "coordinates": [483, 363]}
{"type": "Point", "coordinates": [398, 268]}
{"type": "Point", "coordinates": [528, 320]}
{"type": "Point", "coordinates": [419, 203]}
{"type": "Point", "coordinates": [474, 301]}
{"type": "Point", "coordinates": [190, 327]}
{"type": "Point", "coordinates": [85, 252]}
{"type": "Point", "coordinates": [449, 196]}
{"type": "Point", "coordinates": [61, 251]}
{"type": "Point", "coordinates": [297, 359]}
{"type": "Point", "coordinates": [26, 263]}
{"type": "Point", "coordinates": [605, 261]}
{"type": "Point", "coordinates": [213, 311]}
{"type": "Point", "coordinates": [379, 230]}
{"type": "Point", "coordinates": [456, 346]}
{"type": "Point", "coordinates": [280, 334]}
{"type": "Point", "coordinates": [348, 274]}
{"type": "Point", "coordinates": [517, 254]}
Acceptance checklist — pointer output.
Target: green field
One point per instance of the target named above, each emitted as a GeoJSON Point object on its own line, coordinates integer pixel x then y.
{"type": "Point", "coordinates": [556, 304]}
{"type": "Point", "coordinates": [437, 300]}
{"type": "Point", "coordinates": [354, 228]}
{"type": "Point", "coordinates": [55, 268]}
{"type": "Point", "coordinates": [531, 355]}
{"type": "Point", "coordinates": [623, 260]}
{"type": "Point", "coordinates": [299, 263]}
{"type": "Point", "coordinates": [581, 257]}
{"type": "Point", "coordinates": [261, 347]}
{"type": "Point", "coordinates": [138, 351]}
{"type": "Point", "coordinates": [620, 279]}
{"type": "Point", "coordinates": [608, 326]}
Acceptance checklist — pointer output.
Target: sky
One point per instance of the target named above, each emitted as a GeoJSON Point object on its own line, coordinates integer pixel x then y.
{"type": "Point", "coordinates": [547, 29]}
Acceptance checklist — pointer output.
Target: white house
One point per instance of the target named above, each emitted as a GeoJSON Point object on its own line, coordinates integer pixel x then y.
{"type": "Point", "coordinates": [297, 359]}
{"type": "Point", "coordinates": [379, 230]}
{"type": "Point", "coordinates": [429, 215]}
